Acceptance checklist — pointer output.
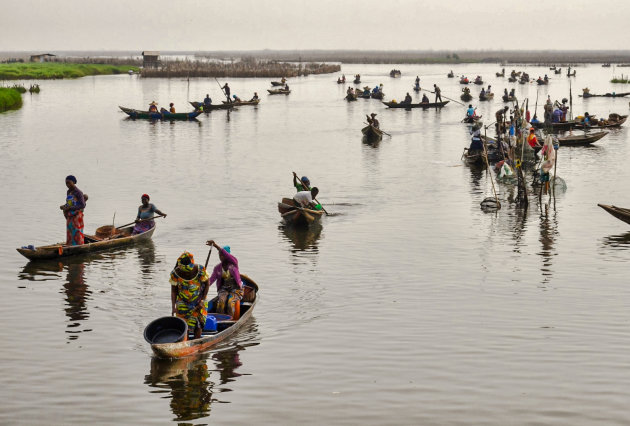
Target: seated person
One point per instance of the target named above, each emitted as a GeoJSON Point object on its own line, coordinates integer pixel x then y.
{"type": "Point", "coordinates": [304, 199]}
{"type": "Point", "coordinates": [207, 100]}
{"type": "Point", "coordinates": [425, 99]}
{"type": "Point", "coordinates": [470, 112]}
{"type": "Point", "coordinates": [153, 107]}
{"type": "Point", "coordinates": [255, 97]}
{"type": "Point", "coordinates": [236, 98]}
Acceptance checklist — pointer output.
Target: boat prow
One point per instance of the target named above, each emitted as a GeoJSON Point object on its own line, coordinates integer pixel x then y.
{"type": "Point", "coordinates": [619, 212]}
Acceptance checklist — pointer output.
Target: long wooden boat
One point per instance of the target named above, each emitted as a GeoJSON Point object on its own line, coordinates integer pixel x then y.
{"type": "Point", "coordinates": [298, 216]}
{"type": "Point", "coordinates": [356, 81]}
{"type": "Point", "coordinates": [418, 105]}
{"type": "Point", "coordinates": [277, 83]}
{"type": "Point", "coordinates": [466, 96]}
{"type": "Point", "coordinates": [380, 95]}
{"type": "Point", "coordinates": [242, 103]}
{"type": "Point", "coordinates": [212, 107]}
{"type": "Point", "coordinates": [556, 127]}
{"type": "Point", "coordinates": [478, 81]}
{"type": "Point", "coordinates": [163, 115]}
{"type": "Point", "coordinates": [416, 88]}
{"type": "Point", "coordinates": [472, 119]}
{"type": "Point", "coordinates": [450, 75]}
{"type": "Point", "coordinates": [486, 96]}
{"type": "Point", "coordinates": [604, 125]}
{"type": "Point", "coordinates": [395, 74]}
{"type": "Point", "coordinates": [372, 133]}
{"type": "Point", "coordinates": [92, 244]}
{"type": "Point", "coordinates": [607, 95]}
{"type": "Point", "coordinates": [508, 98]}
{"type": "Point", "coordinates": [351, 97]}
{"type": "Point", "coordinates": [225, 329]}
{"type": "Point", "coordinates": [278, 91]}
{"type": "Point", "coordinates": [579, 140]}
{"type": "Point", "coordinates": [475, 157]}
{"type": "Point", "coordinates": [619, 212]}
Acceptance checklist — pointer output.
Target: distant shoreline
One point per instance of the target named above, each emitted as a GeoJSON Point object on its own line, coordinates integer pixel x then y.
{"type": "Point", "coordinates": [438, 57]}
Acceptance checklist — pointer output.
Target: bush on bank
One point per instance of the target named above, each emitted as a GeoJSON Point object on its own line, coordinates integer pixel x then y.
{"type": "Point", "coordinates": [9, 99]}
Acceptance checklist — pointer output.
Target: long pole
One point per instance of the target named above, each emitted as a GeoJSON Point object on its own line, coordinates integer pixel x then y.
{"type": "Point", "coordinates": [445, 97]}
{"type": "Point", "coordinates": [222, 89]}
{"type": "Point", "coordinates": [570, 103]}
{"type": "Point", "coordinates": [485, 154]}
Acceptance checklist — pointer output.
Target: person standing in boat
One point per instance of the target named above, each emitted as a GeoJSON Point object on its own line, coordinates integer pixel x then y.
{"type": "Point", "coordinates": [226, 88]}
{"type": "Point", "coordinates": [438, 93]}
{"type": "Point", "coordinates": [189, 289]}
{"type": "Point", "coordinates": [145, 211]}
{"type": "Point", "coordinates": [303, 184]}
{"type": "Point", "coordinates": [229, 283]}
{"type": "Point", "coordinates": [475, 143]}
{"type": "Point", "coordinates": [73, 212]}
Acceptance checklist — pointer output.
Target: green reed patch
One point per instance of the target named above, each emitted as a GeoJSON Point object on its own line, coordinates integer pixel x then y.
{"type": "Point", "coordinates": [57, 70]}
{"type": "Point", "coordinates": [9, 99]}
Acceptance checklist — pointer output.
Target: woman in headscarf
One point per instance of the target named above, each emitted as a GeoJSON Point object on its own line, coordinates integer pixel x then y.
{"type": "Point", "coordinates": [73, 212]}
{"type": "Point", "coordinates": [146, 211]}
{"type": "Point", "coordinates": [189, 288]}
{"type": "Point", "coordinates": [228, 278]}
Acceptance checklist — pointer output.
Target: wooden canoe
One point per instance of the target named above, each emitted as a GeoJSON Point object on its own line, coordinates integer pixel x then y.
{"type": "Point", "coordinates": [418, 105]}
{"type": "Point", "coordinates": [471, 120]}
{"type": "Point", "coordinates": [241, 103]}
{"type": "Point", "coordinates": [350, 97]}
{"type": "Point", "coordinates": [163, 115]}
{"type": "Point", "coordinates": [278, 91]}
{"type": "Point", "coordinates": [355, 81]}
{"type": "Point", "coordinates": [605, 125]}
{"type": "Point", "coordinates": [212, 107]}
{"type": "Point", "coordinates": [607, 95]}
{"type": "Point", "coordinates": [474, 158]}
{"type": "Point", "coordinates": [207, 340]}
{"type": "Point", "coordinates": [619, 212]}
{"type": "Point", "coordinates": [93, 243]}
{"type": "Point", "coordinates": [450, 75]}
{"type": "Point", "coordinates": [486, 96]}
{"type": "Point", "coordinates": [298, 216]}
{"type": "Point", "coordinates": [379, 95]}
{"type": "Point", "coordinates": [556, 127]}
{"type": "Point", "coordinates": [277, 83]}
{"type": "Point", "coordinates": [508, 98]}
{"type": "Point", "coordinates": [372, 133]}
{"type": "Point", "coordinates": [466, 97]}
{"type": "Point", "coordinates": [578, 140]}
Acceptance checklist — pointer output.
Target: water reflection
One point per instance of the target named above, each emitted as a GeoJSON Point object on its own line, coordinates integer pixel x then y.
{"type": "Point", "coordinates": [620, 241]}
{"type": "Point", "coordinates": [146, 256]}
{"type": "Point", "coordinates": [303, 239]}
{"type": "Point", "coordinates": [548, 233]}
{"type": "Point", "coordinates": [195, 383]}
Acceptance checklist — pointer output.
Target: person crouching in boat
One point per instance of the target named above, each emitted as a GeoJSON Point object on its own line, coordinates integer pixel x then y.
{"type": "Point", "coordinates": [229, 283]}
{"type": "Point", "coordinates": [145, 211]}
{"type": "Point", "coordinates": [73, 212]}
{"type": "Point", "coordinates": [305, 199]}
{"type": "Point", "coordinates": [303, 184]}
{"type": "Point", "coordinates": [189, 288]}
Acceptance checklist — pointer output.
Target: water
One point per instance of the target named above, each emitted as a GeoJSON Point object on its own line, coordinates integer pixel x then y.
{"type": "Point", "coordinates": [408, 305]}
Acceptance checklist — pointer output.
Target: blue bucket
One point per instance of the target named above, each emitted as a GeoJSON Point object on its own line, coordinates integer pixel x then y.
{"type": "Point", "coordinates": [211, 323]}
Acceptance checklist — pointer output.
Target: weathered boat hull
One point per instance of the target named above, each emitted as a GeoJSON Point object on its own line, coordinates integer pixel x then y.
{"type": "Point", "coordinates": [163, 115]}
{"type": "Point", "coordinates": [277, 83]}
{"type": "Point", "coordinates": [212, 107]}
{"type": "Point", "coordinates": [580, 140]}
{"type": "Point", "coordinates": [466, 97]}
{"type": "Point", "coordinates": [278, 91]}
{"type": "Point", "coordinates": [610, 125]}
{"type": "Point", "coordinates": [372, 133]}
{"type": "Point", "coordinates": [508, 98]}
{"type": "Point", "coordinates": [557, 127]}
{"type": "Point", "coordinates": [55, 251]}
{"type": "Point", "coordinates": [298, 216]}
{"type": "Point", "coordinates": [242, 103]}
{"type": "Point", "coordinates": [419, 105]}
{"type": "Point", "coordinates": [379, 95]}
{"type": "Point", "coordinates": [195, 346]}
{"type": "Point", "coordinates": [619, 212]}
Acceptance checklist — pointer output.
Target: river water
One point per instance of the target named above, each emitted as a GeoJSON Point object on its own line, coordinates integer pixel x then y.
{"type": "Point", "coordinates": [408, 305]}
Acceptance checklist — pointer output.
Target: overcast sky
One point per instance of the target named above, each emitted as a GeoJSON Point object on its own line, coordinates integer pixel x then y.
{"type": "Point", "coordinates": [49, 25]}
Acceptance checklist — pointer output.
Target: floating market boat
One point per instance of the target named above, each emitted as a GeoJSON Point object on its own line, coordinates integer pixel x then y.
{"type": "Point", "coordinates": [114, 238]}
{"type": "Point", "coordinates": [579, 140]}
{"type": "Point", "coordinates": [619, 212]}
{"type": "Point", "coordinates": [278, 91]}
{"type": "Point", "coordinates": [242, 103]}
{"type": "Point", "coordinates": [614, 120]}
{"type": "Point", "coordinates": [372, 133]}
{"type": "Point", "coordinates": [418, 105]}
{"type": "Point", "coordinates": [298, 216]}
{"type": "Point", "coordinates": [224, 327]}
{"type": "Point", "coordinates": [160, 115]}
{"type": "Point", "coordinates": [212, 107]}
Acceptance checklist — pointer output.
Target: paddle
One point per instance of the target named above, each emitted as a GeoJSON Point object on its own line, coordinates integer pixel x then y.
{"type": "Point", "coordinates": [306, 186]}
{"type": "Point", "coordinates": [228, 98]}
{"type": "Point", "coordinates": [141, 220]}
{"type": "Point", "coordinates": [446, 97]}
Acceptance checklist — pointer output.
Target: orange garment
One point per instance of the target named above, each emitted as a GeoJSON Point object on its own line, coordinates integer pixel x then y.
{"type": "Point", "coordinates": [532, 140]}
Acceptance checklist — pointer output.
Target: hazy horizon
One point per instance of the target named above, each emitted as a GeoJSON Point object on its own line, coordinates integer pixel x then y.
{"type": "Point", "coordinates": [249, 25]}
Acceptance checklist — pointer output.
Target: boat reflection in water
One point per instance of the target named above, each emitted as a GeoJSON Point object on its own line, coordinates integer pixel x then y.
{"type": "Point", "coordinates": [548, 234]}
{"type": "Point", "coordinates": [195, 382]}
{"type": "Point", "coordinates": [303, 239]}
{"type": "Point", "coordinates": [619, 241]}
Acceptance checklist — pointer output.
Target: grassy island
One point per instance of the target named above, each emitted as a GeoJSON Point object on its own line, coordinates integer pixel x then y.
{"type": "Point", "coordinates": [54, 70]}
{"type": "Point", "coordinates": [9, 99]}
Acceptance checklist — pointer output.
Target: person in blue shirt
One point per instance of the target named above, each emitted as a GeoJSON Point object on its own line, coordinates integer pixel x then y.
{"type": "Point", "coordinates": [207, 100]}
{"type": "Point", "coordinates": [470, 112]}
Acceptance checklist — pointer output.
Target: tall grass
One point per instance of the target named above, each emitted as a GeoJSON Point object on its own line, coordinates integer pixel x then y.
{"type": "Point", "coordinates": [245, 68]}
{"type": "Point", "coordinates": [54, 70]}
{"type": "Point", "coordinates": [9, 99]}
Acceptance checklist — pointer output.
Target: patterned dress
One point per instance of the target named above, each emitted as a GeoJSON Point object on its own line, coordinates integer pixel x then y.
{"type": "Point", "coordinates": [74, 217]}
{"type": "Point", "coordinates": [188, 293]}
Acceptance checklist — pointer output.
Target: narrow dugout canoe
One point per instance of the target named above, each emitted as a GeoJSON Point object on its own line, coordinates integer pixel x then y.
{"type": "Point", "coordinates": [579, 140]}
{"type": "Point", "coordinates": [225, 329]}
{"type": "Point", "coordinates": [278, 91]}
{"type": "Point", "coordinates": [93, 243]}
{"type": "Point", "coordinates": [609, 124]}
{"type": "Point", "coordinates": [163, 115]}
{"type": "Point", "coordinates": [211, 107]}
{"type": "Point", "coordinates": [418, 105]}
{"type": "Point", "coordinates": [242, 103]}
{"type": "Point", "coordinates": [372, 133]}
{"type": "Point", "coordinates": [619, 212]}
{"type": "Point", "coordinates": [298, 216]}
{"type": "Point", "coordinates": [277, 83]}
{"type": "Point", "coordinates": [556, 127]}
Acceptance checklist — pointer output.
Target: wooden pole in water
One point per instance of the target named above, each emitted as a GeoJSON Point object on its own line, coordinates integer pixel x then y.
{"type": "Point", "coordinates": [555, 167]}
{"type": "Point", "coordinates": [485, 154]}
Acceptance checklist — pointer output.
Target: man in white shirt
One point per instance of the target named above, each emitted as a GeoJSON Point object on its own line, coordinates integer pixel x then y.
{"type": "Point", "coordinates": [305, 198]}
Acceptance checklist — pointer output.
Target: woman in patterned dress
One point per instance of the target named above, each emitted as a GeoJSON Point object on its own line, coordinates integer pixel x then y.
{"type": "Point", "coordinates": [189, 288]}
{"type": "Point", "coordinates": [73, 212]}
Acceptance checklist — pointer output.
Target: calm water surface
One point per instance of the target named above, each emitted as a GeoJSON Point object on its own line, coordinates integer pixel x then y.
{"type": "Point", "coordinates": [409, 305]}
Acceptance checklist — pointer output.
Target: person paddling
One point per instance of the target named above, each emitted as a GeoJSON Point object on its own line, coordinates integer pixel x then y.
{"type": "Point", "coordinates": [145, 211]}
